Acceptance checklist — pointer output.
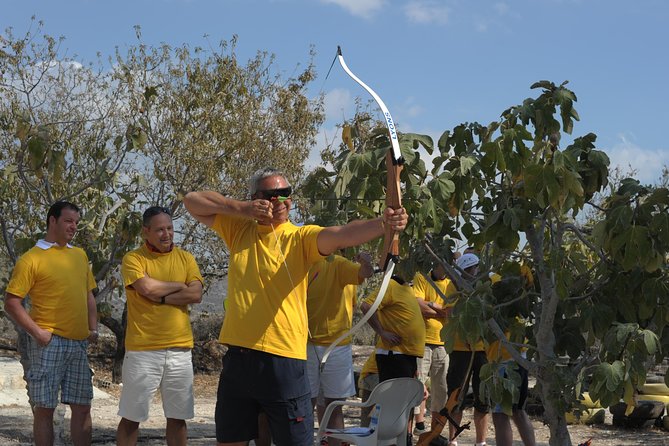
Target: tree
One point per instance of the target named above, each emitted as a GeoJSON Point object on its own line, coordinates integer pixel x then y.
{"type": "Point", "coordinates": [156, 123]}
{"type": "Point", "coordinates": [62, 137]}
{"type": "Point", "coordinates": [598, 312]}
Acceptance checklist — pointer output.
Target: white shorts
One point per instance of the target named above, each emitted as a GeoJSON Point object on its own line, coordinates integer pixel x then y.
{"type": "Point", "coordinates": [336, 379]}
{"type": "Point", "coordinates": [144, 372]}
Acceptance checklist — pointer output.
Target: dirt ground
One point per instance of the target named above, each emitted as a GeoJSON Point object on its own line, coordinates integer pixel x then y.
{"type": "Point", "coordinates": [16, 421]}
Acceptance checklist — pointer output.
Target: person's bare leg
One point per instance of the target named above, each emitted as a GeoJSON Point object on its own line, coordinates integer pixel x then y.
{"type": "Point", "coordinates": [43, 426]}
{"type": "Point", "coordinates": [525, 428]}
{"type": "Point", "coordinates": [365, 411]}
{"type": "Point", "coordinates": [336, 419]}
{"type": "Point", "coordinates": [481, 425]}
{"type": "Point", "coordinates": [320, 411]}
{"type": "Point", "coordinates": [420, 416]}
{"type": "Point", "coordinates": [457, 417]}
{"type": "Point", "coordinates": [176, 432]}
{"type": "Point", "coordinates": [127, 432]}
{"type": "Point", "coordinates": [503, 432]}
{"type": "Point", "coordinates": [81, 427]}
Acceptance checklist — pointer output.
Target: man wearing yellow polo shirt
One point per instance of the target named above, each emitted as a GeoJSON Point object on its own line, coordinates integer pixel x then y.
{"type": "Point", "coordinates": [435, 359]}
{"type": "Point", "coordinates": [400, 329]}
{"type": "Point", "coordinates": [401, 332]}
{"type": "Point", "coordinates": [331, 296]}
{"type": "Point", "coordinates": [459, 361]}
{"type": "Point", "coordinates": [266, 323]}
{"type": "Point", "coordinates": [61, 321]}
{"type": "Point", "coordinates": [160, 281]}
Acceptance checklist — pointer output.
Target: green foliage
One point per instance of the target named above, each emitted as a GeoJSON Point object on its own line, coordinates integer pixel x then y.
{"type": "Point", "coordinates": [152, 125]}
{"type": "Point", "coordinates": [597, 302]}
{"type": "Point", "coordinates": [500, 385]}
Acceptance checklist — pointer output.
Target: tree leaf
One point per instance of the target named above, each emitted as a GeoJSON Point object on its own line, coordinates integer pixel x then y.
{"type": "Point", "coordinates": [346, 137]}
{"type": "Point", "coordinates": [651, 342]}
{"type": "Point", "coordinates": [466, 164]}
{"type": "Point", "coordinates": [37, 151]}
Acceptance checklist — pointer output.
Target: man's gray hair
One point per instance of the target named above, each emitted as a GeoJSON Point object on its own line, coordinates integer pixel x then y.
{"type": "Point", "coordinates": [261, 174]}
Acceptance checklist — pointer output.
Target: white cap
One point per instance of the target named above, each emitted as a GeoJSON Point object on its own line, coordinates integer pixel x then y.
{"type": "Point", "coordinates": [467, 260]}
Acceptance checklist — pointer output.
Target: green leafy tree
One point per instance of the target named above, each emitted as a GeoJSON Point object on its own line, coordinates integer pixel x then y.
{"type": "Point", "coordinates": [63, 137]}
{"type": "Point", "coordinates": [596, 314]}
{"type": "Point", "coordinates": [143, 130]}
{"type": "Point", "coordinates": [209, 121]}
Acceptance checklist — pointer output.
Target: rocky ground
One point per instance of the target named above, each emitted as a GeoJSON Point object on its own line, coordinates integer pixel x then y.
{"type": "Point", "coordinates": [16, 418]}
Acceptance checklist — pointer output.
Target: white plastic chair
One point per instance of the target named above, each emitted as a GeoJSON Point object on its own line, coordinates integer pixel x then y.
{"type": "Point", "coordinates": [396, 399]}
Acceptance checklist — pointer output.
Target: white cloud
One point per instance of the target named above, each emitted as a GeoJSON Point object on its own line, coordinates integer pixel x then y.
{"type": "Point", "coordinates": [410, 109]}
{"type": "Point", "coordinates": [427, 11]}
{"type": "Point", "coordinates": [481, 25]}
{"type": "Point", "coordinates": [359, 8]}
{"type": "Point", "coordinates": [327, 137]}
{"type": "Point", "coordinates": [337, 103]}
{"type": "Point", "coordinates": [501, 8]}
{"type": "Point", "coordinates": [647, 163]}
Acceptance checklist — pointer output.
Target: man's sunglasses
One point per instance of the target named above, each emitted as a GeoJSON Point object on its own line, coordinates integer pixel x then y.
{"type": "Point", "coordinates": [271, 194]}
{"type": "Point", "coordinates": [156, 210]}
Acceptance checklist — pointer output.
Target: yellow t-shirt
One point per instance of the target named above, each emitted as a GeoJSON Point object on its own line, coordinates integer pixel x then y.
{"type": "Point", "coordinates": [268, 300]}
{"type": "Point", "coordinates": [424, 290]}
{"type": "Point", "coordinates": [369, 367]}
{"type": "Point", "coordinates": [497, 352]}
{"type": "Point", "coordinates": [58, 280]}
{"type": "Point", "coordinates": [399, 312]}
{"type": "Point", "coordinates": [151, 325]}
{"type": "Point", "coordinates": [330, 299]}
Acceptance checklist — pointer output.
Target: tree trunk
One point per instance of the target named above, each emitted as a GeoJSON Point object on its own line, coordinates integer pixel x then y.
{"type": "Point", "coordinates": [22, 339]}
{"type": "Point", "coordinates": [118, 328]}
{"type": "Point", "coordinates": [557, 423]}
{"type": "Point", "coordinates": [22, 348]}
{"type": "Point", "coordinates": [546, 378]}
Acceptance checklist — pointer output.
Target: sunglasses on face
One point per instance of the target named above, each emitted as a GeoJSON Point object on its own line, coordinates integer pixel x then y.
{"type": "Point", "coordinates": [156, 210]}
{"type": "Point", "coordinates": [271, 194]}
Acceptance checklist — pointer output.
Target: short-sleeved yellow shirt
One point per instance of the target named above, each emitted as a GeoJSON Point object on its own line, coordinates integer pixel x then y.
{"type": "Point", "coordinates": [399, 312]}
{"type": "Point", "coordinates": [267, 284]}
{"type": "Point", "coordinates": [330, 299]}
{"type": "Point", "coordinates": [369, 367]}
{"type": "Point", "coordinates": [151, 325]}
{"type": "Point", "coordinates": [58, 279]}
{"type": "Point", "coordinates": [423, 290]}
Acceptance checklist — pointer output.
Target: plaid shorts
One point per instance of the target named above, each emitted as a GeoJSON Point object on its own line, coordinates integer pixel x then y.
{"type": "Point", "coordinates": [60, 365]}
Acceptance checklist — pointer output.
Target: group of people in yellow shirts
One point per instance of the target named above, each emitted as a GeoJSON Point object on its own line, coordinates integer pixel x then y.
{"type": "Point", "coordinates": [278, 319]}
{"type": "Point", "coordinates": [265, 327]}
{"type": "Point", "coordinates": [435, 295]}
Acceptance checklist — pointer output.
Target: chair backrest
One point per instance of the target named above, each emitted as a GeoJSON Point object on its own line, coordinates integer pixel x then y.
{"type": "Point", "coordinates": [396, 397]}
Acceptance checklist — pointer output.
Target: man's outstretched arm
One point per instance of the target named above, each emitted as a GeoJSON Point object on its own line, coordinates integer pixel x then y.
{"type": "Point", "coordinates": [357, 232]}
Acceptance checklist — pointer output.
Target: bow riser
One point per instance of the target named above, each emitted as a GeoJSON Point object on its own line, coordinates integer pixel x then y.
{"type": "Point", "coordinates": [391, 240]}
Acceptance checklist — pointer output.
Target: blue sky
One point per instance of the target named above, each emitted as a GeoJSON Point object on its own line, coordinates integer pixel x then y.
{"type": "Point", "coordinates": [435, 63]}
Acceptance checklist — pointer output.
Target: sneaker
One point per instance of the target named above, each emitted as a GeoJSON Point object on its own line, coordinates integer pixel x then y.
{"type": "Point", "coordinates": [419, 429]}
